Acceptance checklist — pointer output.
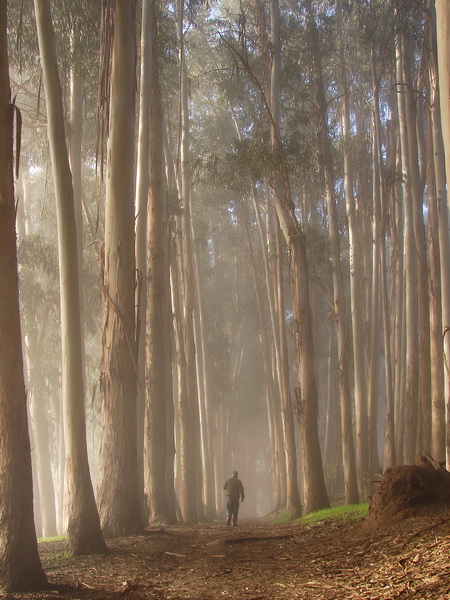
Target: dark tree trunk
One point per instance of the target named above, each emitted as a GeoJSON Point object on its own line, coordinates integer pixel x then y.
{"type": "Point", "coordinates": [20, 567]}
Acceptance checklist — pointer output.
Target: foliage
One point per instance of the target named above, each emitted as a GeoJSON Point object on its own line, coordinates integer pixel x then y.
{"type": "Point", "coordinates": [341, 513]}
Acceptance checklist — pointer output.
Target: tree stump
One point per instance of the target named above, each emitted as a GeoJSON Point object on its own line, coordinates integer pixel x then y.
{"type": "Point", "coordinates": [408, 490]}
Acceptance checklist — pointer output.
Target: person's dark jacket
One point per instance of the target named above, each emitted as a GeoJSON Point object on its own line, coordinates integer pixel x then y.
{"type": "Point", "coordinates": [233, 488]}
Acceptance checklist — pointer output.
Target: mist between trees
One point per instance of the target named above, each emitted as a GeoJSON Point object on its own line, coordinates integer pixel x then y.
{"type": "Point", "coordinates": [234, 216]}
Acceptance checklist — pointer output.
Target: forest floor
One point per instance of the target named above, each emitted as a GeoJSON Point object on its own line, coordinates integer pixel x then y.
{"type": "Point", "coordinates": [401, 559]}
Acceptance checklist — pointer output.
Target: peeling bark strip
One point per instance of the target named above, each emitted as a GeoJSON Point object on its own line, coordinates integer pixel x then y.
{"type": "Point", "coordinates": [118, 491]}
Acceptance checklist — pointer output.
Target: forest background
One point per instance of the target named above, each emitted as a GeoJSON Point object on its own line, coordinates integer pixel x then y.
{"type": "Point", "coordinates": [234, 216]}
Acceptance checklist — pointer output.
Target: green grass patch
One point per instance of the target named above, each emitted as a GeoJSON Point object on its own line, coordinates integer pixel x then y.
{"type": "Point", "coordinates": [55, 559]}
{"type": "Point", "coordinates": [56, 538]}
{"type": "Point", "coordinates": [53, 556]}
{"type": "Point", "coordinates": [341, 513]}
{"type": "Point", "coordinates": [347, 512]}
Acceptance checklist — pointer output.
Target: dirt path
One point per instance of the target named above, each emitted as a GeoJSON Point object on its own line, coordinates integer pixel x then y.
{"type": "Point", "coordinates": [257, 561]}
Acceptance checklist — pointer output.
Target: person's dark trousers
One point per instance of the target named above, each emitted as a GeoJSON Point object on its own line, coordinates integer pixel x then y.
{"type": "Point", "coordinates": [232, 510]}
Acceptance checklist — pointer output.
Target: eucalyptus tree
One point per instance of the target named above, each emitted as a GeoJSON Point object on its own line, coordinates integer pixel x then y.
{"type": "Point", "coordinates": [209, 467]}
{"type": "Point", "coordinates": [315, 495]}
{"type": "Point", "coordinates": [118, 488]}
{"type": "Point", "coordinates": [438, 194]}
{"type": "Point", "coordinates": [83, 530]}
{"type": "Point", "coordinates": [189, 450]}
{"type": "Point", "coordinates": [159, 392]}
{"type": "Point", "coordinates": [355, 266]}
{"type": "Point", "coordinates": [412, 353]}
{"type": "Point", "coordinates": [273, 404]}
{"type": "Point", "coordinates": [441, 139]}
{"type": "Point", "coordinates": [142, 188]}
{"type": "Point", "coordinates": [443, 51]}
{"type": "Point", "coordinates": [20, 567]}
{"type": "Point", "coordinates": [348, 450]}
{"type": "Point", "coordinates": [417, 158]}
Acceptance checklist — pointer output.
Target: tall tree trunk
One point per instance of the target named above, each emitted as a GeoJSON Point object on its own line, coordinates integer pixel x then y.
{"type": "Point", "coordinates": [142, 195]}
{"type": "Point", "coordinates": [356, 298]}
{"type": "Point", "coordinates": [389, 431]}
{"type": "Point", "coordinates": [443, 51]}
{"type": "Point", "coordinates": [417, 187]}
{"type": "Point", "coordinates": [118, 490]}
{"type": "Point", "coordinates": [314, 489]}
{"type": "Point", "coordinates": [209, 455]}
{"type": "Point", "coordinates": [293, 495]}
{"type": "Point", "coordinates": [333, 445]}
{"type": "Point", "coordinates": [444, 245]}
{"type": "Point", "coordinates": [397, 278]}
{"type": "Point", "coordinates": [434, 285]}
{"type": "Point", "coordinates": [412, 348]}
{"type": "Point", "coordinates": [348, 450]}
{"type": "Point", "coordinates": [274, 402]}
{"type": "Point", "coordinates": [190, 421]}
{"type": "Point", "coordinates": [39, 426]}
{"type": "Point", "coordinates": [186, 440]}
{"type": "Point", "coordinates": [83, 528]}
{"type": "Point", "coordinates": [159, 384]}
{"type": "Point", "coordinates": [275, 295]}
{"type": "Point", "coordinates": [20, 567]}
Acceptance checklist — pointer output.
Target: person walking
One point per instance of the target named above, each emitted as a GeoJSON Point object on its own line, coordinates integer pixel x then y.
{"type": "Point", "coordinates": [234, 490]}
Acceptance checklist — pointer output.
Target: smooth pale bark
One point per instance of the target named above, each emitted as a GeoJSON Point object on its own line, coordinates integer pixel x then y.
{"type": "Point", "coordinates": [75, 139]}
{"type": "Point", "coordinates": [314, 490]}
{"type": "Point", "coordinates": [158, 355]}
{"type": "Point", "coordinates": [118, 489]}
{"type": "Point", "coordinates": [380, 215]}
{"type": "Point", "coordinates": [75, 135]}
{"type": "Point", "coordinates": [268, 278]}
{"type": "Point", "coordinates": [40, 429]}
{"type": "Point", "coordinates": [397, 278]}
{"type": "Point", "coordinates": [374, 314]}
{"type": "Point", "coordinates": [348, 450]}
{"type": "Point", "coordinates": [142, 191]}
{"type": "Point", "coordinates": [83, 528]}
{"type": "Point", "coordinates": [44, 489]}
{"type": "Point", "coordinates": [356, 297]}
{"type": "Point", "coordinates": [185, 438]}
{"type": "Point", "coordinates": [209, 454]}
{"type": "Point", "coordinates": [417, 189]}
{"type": "Point", "coordinates": [389, 431]}
{"type": "Point", "coordinates": [388, 297]}
{"type": "Point", "coordinates": [171, 366]}
{"type": "Point", "coordinates": [434, 286]}
{"type": "Point", "coordinates": [293, 495]}
{"type": "Point", "coordinates": [43, 469]}
{"type": "Point", "coordinates": [189, 449]}
{"type": "Point", "coordinates": [20, 567]}
{"type": "Point", "coordinates": [205, 454]}
{"type": "Point", "coordinates": [411, 300]}
{"type": "Point", "coordinates": [273, 399]}
{"type": "Point", "coordinates": [275, 296]}
{"type": "Point", "coordinates": [333, 446]}
{"type": "Point", "coordinates": [443, 51]}
{"type": "Point", "coordinates": [444, 249]}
